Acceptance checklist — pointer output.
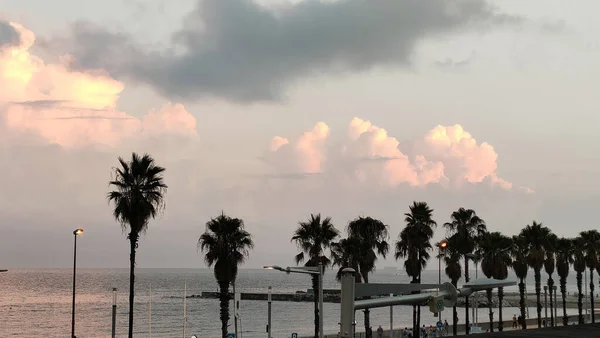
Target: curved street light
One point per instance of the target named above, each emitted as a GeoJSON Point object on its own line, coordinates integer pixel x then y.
{"type": "Point", "coordinates": [76, 233]}
{"type": "Point", "coordinates": [441, 246]}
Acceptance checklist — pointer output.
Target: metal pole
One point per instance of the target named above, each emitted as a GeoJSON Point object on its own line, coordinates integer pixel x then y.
{"type": "Point", "coordinates": [114, 314]}
{"type": "Point", "coordinates": [545, 305]}
{"type": "Point", "coordinates": [269, 329]}
{"type": "Point", "coordinates": [74, 276]}
{"type": "Point", "coordinates": [391, 318]}
{"type": "Point", "coordinates": [347, 304]}
{"type": "Point", "coordinates": [320, 300]}
{"type": "Point", "coordinates": [184, 306]}
{"type": "Point", "coordinates": [476, 308]}
{"type": "Point", "coordinates": [150, 311]}
{"type": "Point", "coordinates": [555, 308]}
{"type": "Point", "coordinates": [439, 281]}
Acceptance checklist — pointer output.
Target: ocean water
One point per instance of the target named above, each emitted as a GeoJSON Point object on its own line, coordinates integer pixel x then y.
{"type": "Point", "coordinates": [37, 302]}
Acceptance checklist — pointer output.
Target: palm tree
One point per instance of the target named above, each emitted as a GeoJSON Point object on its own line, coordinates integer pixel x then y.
{"type": "Point", "coordinates": [372, 235]}
{"type": "Point", "coordinates": [468, 227]}
{"type": "Point", "coordinates": [453, 271]}
{"type": "Point", "coordinates": [536, 236]}
{"type": "Point", "coordinates": [549, 264]}
{"type": "Point", "coordinates": [344, 254]}
{"type": "Point", "coordinates": [591, 248]}
{"type": "Point", "coordinates": [138, 196]}
{"type": "Point", "coordinates": [225, 245]}
{"type": "Point", "coordinates": [579, 267]}
{"type": "Point", "coordinates": [493, 248]}
{"type": "Point", "coordinates": [520, 253]}
{"type": "Point", "coordinates": [414, 244]}
{"type": "Point", "coordinates": [564, 258]}
{"type": "Point", "coordinates": [313, 237]}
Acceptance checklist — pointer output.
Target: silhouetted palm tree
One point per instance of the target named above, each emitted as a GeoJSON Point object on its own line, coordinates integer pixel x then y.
{"type": "Point", "coordinates": [414, 244]}
{"type": "Point", "coordinates": [138, 196]}
{"type": "Point", "coordinates": [494, 249]}
{"type": "Point", "coordinates": [549, 264]}
{"type": "Point", "coordinates": [520, 253]}
{"type": "Point", "coordinates": [536, 236]}
{"type": "Point", "coordinates": [579, 267]}
{"type": "Point", "coordinates": [225, 245]}
{"type": "Point", "coordinates": [343, 255]}
{"type": "Point", "coordinates": [564, 258]}
{"type": "Point", "coordinates": [453, 271]}
{"type": "Point", "coordinates": [313, 237]}
{"type": "Point", "coordinates": [468, 227]}
{"type": "Point", "coordinates": [372, 235]}
{"type": "Point", "coordinates": [591, 248]}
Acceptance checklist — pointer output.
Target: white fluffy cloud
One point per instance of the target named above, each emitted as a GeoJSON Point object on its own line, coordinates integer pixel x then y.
{"type": "Point", "coordinates": [446, 155]}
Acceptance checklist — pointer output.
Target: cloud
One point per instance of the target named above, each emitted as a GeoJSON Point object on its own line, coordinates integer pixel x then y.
{"type": "Point", "coordinates": [8, 35]}
{"type": "Point", "coordinates": [446, 155]}
{"type": "Point", "coordinates": [242, 51]}
{"type": "Point", "coordinates": [73, 108]}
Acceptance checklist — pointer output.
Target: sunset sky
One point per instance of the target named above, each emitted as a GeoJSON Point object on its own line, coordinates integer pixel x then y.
{"type": "Point", "coordinates": [271, 110]}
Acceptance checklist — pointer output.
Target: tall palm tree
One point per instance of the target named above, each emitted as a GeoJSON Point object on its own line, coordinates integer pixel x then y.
{"type": "Point", "coordinates": [414, 244]}
{"type": "Point", "coordinates": [468, 227]}
{"type": "Point", "coordinates": [453, 271]}
{"type": "Point", "coordinates": [579, 267]}
{"type": "Point", "coordinates": [313, 237]}
{"type": "Point", "coordinates": [564, 258]}
{"type": "Point", "coordinates": [591, 248]}
{"type": "Point", "coordinates": [536, 236]}
{"type": "Point", "coordinates": [520, 253]}
{"type": "Point", "coordinates": [549, 264]}
{"type": "Point", "coordinates": [493, 248]}
{"type": "Point", "coordinates": [372, 234]}
{"type": "Point", "coordinates": [138, 196]}
{"type": "Point", "coordinates": [225, 245]}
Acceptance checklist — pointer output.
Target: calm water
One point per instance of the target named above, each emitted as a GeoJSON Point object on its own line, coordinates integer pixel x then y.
{"type": "Point", "coordinates": [37, 302]}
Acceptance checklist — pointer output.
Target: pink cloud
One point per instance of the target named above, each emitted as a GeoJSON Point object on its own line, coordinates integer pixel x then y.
{"type": "Point", "coordinates": [72, 108]}
{"type": "Point", "coordinates": [444, 155]}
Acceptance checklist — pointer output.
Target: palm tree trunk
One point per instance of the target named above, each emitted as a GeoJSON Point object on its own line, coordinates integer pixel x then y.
{"type": "Point", "coordinates": [418, 305]}
{"type": "Point", "coordinates": [538, 294]}
{"type": "Point", "coordinates": [563, 291]}
{"type": "Point", "coordinates": [580, 296]}
{"type": "Point", "coordinates": [592, 308]}
{"type": "Point", "coordinates": [454, 314]}
{"type": "Point", "coordinates": [315, 286]}
{"type": "Point", "coordinates": [133, 245]}
{"type": "Point", "coordinates": [467, 328]}
{"type": "Point", "coordinates": [500, 300]}
{"type": "Point", "coordinates": [551, 290]}
{"type": "Point", "coordinates": [366, 311]}
{"type": "Point", "coordinates": [488, 293]}
{"type": "Point", "coordinates": [224, 303]}
{"type": "Point", "coordinates": [522, 303]}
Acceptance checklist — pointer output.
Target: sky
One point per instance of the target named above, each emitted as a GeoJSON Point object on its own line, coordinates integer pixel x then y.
{"type": "Point", "coordinates": [275, 109]}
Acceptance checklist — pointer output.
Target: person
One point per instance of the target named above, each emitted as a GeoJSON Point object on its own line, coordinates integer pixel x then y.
{"type": "Point", "coordinates": [424, 331]}
{"type": "Point", "coordinates": [369, 332]}
{"type": "Point", "coordinates": [514, 321]}
{"type": "Point", "coordinates": [405, 332]}
{"type": "Point", "coordinates": [379, 332]}
{"type": "Point", "coordinates": [446, 326]}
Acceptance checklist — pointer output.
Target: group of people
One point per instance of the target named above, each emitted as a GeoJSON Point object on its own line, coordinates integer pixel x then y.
{"type": "Point", "coordinates": [425, 332]}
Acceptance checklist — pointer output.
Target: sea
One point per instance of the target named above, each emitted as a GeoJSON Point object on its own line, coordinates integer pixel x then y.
{"type": "Point", "coordinates": [37, 303]}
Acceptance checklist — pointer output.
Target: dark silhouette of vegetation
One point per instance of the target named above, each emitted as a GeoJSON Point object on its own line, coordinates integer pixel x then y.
{"type": "Point", "coordinates": [565, 251]}
{"type": "Point", "coordinates": [225, 245]}
{"type": "Point", "coordinates": [313, 237]}
{"type": "Point", "coordinates": [138, 196]}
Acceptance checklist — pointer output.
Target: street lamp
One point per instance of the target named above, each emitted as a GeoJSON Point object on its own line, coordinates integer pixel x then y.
{"type": "Point", "coordinates": [475, 307]}
{"type": "Point", "coordinates": [309, 270]}
{"type": "Point", "coordinates": [441, 246]}
{"type": "Point", "coordinates": [76, 232]}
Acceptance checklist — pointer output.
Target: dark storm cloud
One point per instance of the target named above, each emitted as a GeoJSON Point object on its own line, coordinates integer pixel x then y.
{"type": "Point", "coordinates": [8, 35]}
{"type": "Point", "coordinates": [241, 51]}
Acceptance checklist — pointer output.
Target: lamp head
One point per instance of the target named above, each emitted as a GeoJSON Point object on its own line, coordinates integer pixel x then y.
{"type": "Point", "coordinates": [78, 231]}
{"type": "Point", "coordinates": [443, 244]}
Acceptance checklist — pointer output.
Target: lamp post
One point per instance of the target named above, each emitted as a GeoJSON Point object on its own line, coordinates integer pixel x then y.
{"type": "Point", "coordinates": [114, 314]}
{"type": "Point", "coordinates": [269, 329]}
{"type": "Point", "coordinates": [441, 246]}
{"type": "Point", "coordinates": [309, 270]}
{"type": "Point", "coordinates": [76, 233]}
